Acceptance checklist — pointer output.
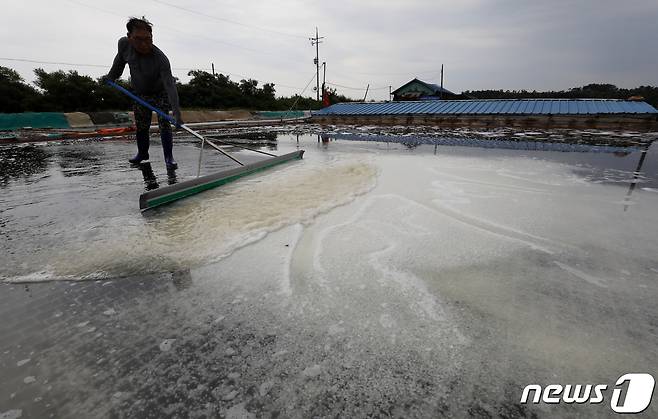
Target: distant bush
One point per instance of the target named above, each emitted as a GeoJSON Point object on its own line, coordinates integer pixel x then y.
{"type": "Point", "coordinates": [590, 91]}
{"type": "Point", "coordinates": [16, 95]}
{"type": "Point", "coordinates": [69, 91]}
{"type": "Point", "coordinates": [60, 91]}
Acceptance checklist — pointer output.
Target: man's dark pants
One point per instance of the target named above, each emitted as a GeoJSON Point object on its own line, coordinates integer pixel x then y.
{"type": "Point", "coordinates": [143, 123]}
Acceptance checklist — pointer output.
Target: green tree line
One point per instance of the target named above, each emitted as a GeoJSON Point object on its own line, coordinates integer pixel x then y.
{"type": "Point", "coordinates": [61, 91]}
{"type": "Point", "coordinates": [590, 91]}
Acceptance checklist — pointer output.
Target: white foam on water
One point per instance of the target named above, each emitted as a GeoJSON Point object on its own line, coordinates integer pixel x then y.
{"type": "Point", "coordinates": [507, 232]}
{"type": "Point", "coordinates": [166, 345]}
{"type": "Point", "coordinates": [265, 388]}
{"type": "Point", "coordinates": [471, 267]}
{"type": "Point", "coordinates": [12, 414]}
{"type": "Point", "coordinates": [312, 371]}
{"type": "Point", "coordinates": [582, 275]}
{"type": "Point", "coordinates": [360, 252]}
{"type": "Point", "coordinates": [285, 282]}
{"type": "Point", "coordinates": [36, 277]}
{"type": "Point", "coordinates": [320, 236]}
{"type": "Point", "coordinates": [238, 411]}
{"type": "Point", "coordinates": [22, 362]}
{"type": "Point", "coordinates": [408, 283]}
{"type": "Point", "coordinates": [208, 227]}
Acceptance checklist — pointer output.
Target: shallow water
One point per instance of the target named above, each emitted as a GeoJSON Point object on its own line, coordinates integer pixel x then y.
{"type": "Point", "coordinates": [370, 278]}
{"type": "Point", "coordinates": [79, 221]}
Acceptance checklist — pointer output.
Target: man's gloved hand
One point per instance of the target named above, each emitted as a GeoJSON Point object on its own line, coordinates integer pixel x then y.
{"type": "Point", "coordinates": [179, 120]}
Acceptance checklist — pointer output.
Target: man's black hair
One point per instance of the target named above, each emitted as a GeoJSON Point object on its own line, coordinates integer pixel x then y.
{"type": "Point", "coordinates": [141, 23]}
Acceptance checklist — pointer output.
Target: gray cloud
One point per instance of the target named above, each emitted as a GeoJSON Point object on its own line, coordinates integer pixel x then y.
{"type": "Point", "coordinates": [505, 44]}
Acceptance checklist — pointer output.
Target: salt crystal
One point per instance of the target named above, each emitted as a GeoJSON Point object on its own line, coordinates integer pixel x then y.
{"type": "Point", "coordinates": [312, 372]}
{"type": "Point", "coordinates": [166, 344]}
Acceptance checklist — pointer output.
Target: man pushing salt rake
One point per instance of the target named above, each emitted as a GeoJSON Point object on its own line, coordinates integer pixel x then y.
{"type": "Point", "coordinates": [150, 77]}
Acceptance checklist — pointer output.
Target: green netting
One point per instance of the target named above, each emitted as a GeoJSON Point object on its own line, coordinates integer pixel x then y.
{"type": "Point", "coordinates": [9, 121]}
{"type": "Point", "coordinates": [280, 114]}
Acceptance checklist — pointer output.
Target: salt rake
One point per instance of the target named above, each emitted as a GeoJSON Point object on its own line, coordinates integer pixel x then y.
{"type": "Point", "coordinates": [181, 190]}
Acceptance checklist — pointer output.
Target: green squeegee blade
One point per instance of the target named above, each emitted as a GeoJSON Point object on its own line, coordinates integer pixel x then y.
{"type": "Point", "coordinates": [181, 190]}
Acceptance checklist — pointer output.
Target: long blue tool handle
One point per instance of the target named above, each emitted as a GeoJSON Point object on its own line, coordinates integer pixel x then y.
{"type": "Point", "coordinates": [171, 119]}
{"type": "Point", "coordinates": [141, 101]}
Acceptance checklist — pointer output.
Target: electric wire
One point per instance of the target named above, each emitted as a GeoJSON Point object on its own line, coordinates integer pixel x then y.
{"type": "Point", "coordinates": [300, 95]}
{"type": "Point", "coordinates": [230, 44]}
{"type": "Point", "coordinates": [212, 40]}
{"type": "Point", "coordinates": [228, 20]}
{"type": "Point", "coordinates": [107, 66]}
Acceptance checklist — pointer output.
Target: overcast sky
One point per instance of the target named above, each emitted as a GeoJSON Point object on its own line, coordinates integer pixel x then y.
{"type": "Point", "coordinates": [496, 44]}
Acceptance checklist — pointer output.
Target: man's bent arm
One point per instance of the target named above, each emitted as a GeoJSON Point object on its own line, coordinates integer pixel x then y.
{"type": "Point", "coordinates": [119, 63]}
{"type": "Point", "coordinates": [170, 88]}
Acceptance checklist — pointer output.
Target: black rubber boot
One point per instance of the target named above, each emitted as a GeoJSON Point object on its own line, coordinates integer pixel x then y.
{"type": "Point", "coordinates": [168, 149]}
{"type": "Point", "coordinates": [142, 148]}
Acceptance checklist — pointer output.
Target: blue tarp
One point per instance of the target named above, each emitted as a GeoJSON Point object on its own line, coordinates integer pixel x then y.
{"type": "Point", "coordinates": [10, 121]}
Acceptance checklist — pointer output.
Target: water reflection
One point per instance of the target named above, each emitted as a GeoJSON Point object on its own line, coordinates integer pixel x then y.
{"type": "Point", "coordinates": [171, 177]}
{"type": "Point", "coordinates": [324, 139]}
{"type": "Point", "coordinates": [182, 279]}
{"type": "Point", "coordinates": [636, 175]}
{"type": "Point", "coordinates": [18, 162]}
{"type": "Point", "coordinates": [80, 161]}
{"type": "Point", "coordinates": [201, 147]}
{"type": "Point", "coordinates": [264, 139]}
{"type": "Point", "coordinates": [412, 141]}
{"type": "Point", "coordinates": [612, 160]}
{"type": "Point", "coordinates": [150, 181]}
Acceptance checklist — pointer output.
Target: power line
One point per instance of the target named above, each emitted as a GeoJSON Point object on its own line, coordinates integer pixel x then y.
{"type": "Point", "coordinates": [228, 20]}
{"type": "Point", "coordinates": [357, 88]}
{"type": "Point", "coordinates": [79, 3]}
{"type": "Point", "coordinates": [346, 87]}
{"type": "Point", "coordinates": [252, 50]}
{"type": "Point", "coordinates": [96, 8]}
{"type": "Point", "coordinates": [25, 60]}
{"type": "Point", "coordinates": [52, 62]}
{"type": "Point", "coordinates": [184, 33]}
{"type": "Point", "coordinates": [300, 95]}
{"type": "Point", "coordinates": [431, 72]}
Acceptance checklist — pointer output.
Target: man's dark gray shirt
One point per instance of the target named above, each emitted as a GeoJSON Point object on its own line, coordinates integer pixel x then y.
{"type": "Point", "coordinates": [149, 74]}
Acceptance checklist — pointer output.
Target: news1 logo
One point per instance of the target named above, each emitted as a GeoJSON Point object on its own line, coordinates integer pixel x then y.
{"type": "Point", "coordinates": [634, 399]}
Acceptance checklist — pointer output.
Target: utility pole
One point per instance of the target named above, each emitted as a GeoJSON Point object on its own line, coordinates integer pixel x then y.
{"type": "Point", "coordinates": [366, 95]}
{"type": "Point", "coordinates": [324, 80]}
{"type": "Point", "coordinates": [441, 93]}
{"type": "Point", "coordinates": [317, 41]}
{"type": "Point", "coordinates": [324, 75]}
{"type": "Point", "coordinates": [390, 95]}
{"type": "Point", "coordinates": [213, 68]}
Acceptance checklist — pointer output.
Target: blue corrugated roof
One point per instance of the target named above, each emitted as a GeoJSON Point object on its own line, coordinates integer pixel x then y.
{"type": "Point", "coordinates": [493, 106]}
